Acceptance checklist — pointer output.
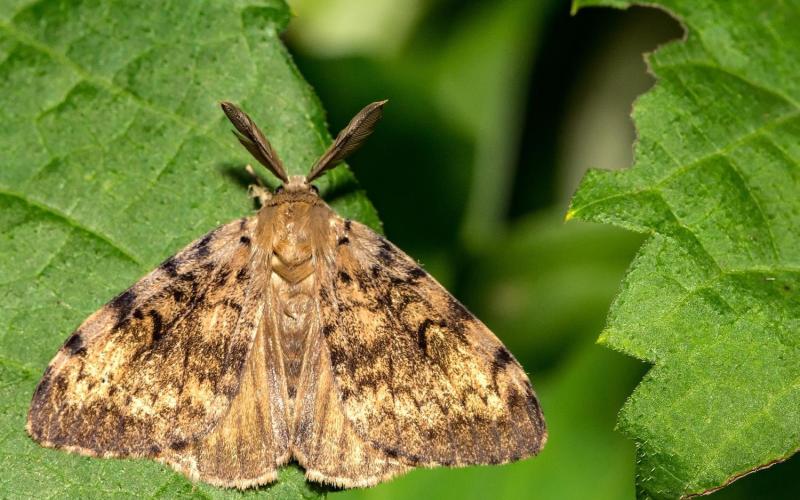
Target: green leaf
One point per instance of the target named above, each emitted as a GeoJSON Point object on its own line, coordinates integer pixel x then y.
{"type": "Point", "coordinates": [712, 300]}
{"type": "Point", "coordinates": [113, 155]}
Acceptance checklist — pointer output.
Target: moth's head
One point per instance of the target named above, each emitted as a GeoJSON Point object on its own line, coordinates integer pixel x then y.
{"type": "Point", "coordinates": [297, 184]}
{"type": "Point", "coordinates": [348, 140]}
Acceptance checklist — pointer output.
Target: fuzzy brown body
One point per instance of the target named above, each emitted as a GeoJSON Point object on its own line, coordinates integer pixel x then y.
{"type": "Point", "coordinates": [289, 335]}
{"type": "Point", "coordinates": [284, 225]}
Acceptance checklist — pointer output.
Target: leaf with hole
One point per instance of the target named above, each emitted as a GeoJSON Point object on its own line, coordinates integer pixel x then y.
{"type": "Point", "coordinates": [713, 298]}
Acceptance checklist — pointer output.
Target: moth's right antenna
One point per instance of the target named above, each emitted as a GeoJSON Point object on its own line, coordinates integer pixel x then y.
{"type": "Point", "coordinates": [251, 138]}
{"type": "Point", "coordinates": [349, 139]}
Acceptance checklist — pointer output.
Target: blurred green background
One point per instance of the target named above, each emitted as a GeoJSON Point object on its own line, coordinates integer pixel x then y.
{"type": "Point", "coordinates": [497, 108]}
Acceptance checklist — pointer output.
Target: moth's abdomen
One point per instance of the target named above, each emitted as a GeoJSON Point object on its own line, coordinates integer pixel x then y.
{"type": "Point", "coordinates": [294, 312]}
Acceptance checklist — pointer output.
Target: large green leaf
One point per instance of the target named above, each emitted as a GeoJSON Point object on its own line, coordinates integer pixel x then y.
{"type": "Point", "coordinates": [113, 155]}
{"type": "Point", "coordinates": [713, 298]}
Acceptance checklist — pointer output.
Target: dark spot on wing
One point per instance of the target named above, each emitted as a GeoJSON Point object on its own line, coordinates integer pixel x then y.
{"type": "Point", "coordinates": [422, 339]}
{"type": "Point", "coordinates": [347, 224]}
{"type": "Point", "coordinates": [245, 240]}
{"type": "Point", "coordinates": [177, 295]}
{"type": "Point", "coordinates": [344, 240]}
{"type": "Point", "coordinates": [327, 330]}
{"type": "Point", "coordinates": [75, 344]}
{"type": "Point", "coordinates": [337, 356]}
{"type": "Point", "coordinates": [170, 266]}
{"type": "Point", "coordinates": [345, 393]}
{"type": "Point", "coordinates": [222, 277]}
{"type": "Point", "coordinates": [385, 300]}
{"type": "Point", "coordinates": [190, 277]}
{"type": "Point", "coordinates": [158, 325]}
{"type": "Point", "coordinates": [202, 245]}
{"type": "Point", "coordinates": [45, 382]}
{"type": "Point", "coordinates": [137, 313]}
{"type": "Point", "coordinates": [385, 256]}
{"type": "Point", "coordinates": [458, 311]}
{"type": "Point", "coordinates": [386, 252]}
{"type": "Point", "coordinates": [179, 444]}
{"type": "Point", "coordinates": [123, 303]}
{"type": "Point", "coordinates": [502, 357]}
{"type": "Point", "coordinates": [242, 274]}
{"type": "Point", "coordinates": [233, 305]}
{"type": "Point", "coordinates": [530, 398]}
{"type": "Point", "coordinates": [515, 399]}
{"type": "Point", "coordinates": [416, 273]}
{"type": "Point", "coordinates": [344, 277]}
{"type": "Point", "coordinates": [61, 383]}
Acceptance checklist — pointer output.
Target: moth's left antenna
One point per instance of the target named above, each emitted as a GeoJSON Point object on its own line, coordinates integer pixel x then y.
{"type": "Point", "coordinates": [251, 138]}
{"type": "Point", "coordinates": [349, 139]}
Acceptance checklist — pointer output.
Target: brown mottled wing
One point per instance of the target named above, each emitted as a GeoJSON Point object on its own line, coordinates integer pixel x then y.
{"type": "Point", "coordinates": [417, 377]}
{"type": "Point", "coordinates": [325, 442]}
{"type": "Point", "coordinates": [161, 370]}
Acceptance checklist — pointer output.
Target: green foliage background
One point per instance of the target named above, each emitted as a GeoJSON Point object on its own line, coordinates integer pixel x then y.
{"type": "Point", "coordinates": [113, 154]}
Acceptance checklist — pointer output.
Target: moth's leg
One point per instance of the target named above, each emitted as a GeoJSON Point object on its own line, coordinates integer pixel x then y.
{"type": "Point", "coordinates": [257, 190]}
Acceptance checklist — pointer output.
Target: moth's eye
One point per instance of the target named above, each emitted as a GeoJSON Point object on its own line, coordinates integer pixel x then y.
{"type": "Point", "coordinates": [315, 189]}
{"type": "Point", "coordinates": [279, 189]}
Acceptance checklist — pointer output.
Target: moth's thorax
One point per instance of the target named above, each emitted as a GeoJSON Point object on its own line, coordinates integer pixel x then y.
{"type": "Point", "coordinates": [291, 240]}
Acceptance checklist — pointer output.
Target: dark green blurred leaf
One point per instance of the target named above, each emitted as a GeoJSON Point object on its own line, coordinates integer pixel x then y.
{"type": "Point", "coordinates": [113, 155]}
{"type": "Point", "coordinates": [712, 297]}
{"type": "Point", "coordinates": [481, 83]}
{"type": "Point", "coordinates": [546, 286]}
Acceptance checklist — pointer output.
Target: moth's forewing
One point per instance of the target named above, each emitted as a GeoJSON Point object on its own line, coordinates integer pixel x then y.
{"type": "Point", "coordinates": [419, 378]}
{"type": "Point", "coordinates": [162, 370]}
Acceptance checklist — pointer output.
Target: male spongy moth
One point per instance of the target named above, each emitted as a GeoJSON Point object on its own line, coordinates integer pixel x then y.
{"type": "Point", "coordinates": [290, 335]}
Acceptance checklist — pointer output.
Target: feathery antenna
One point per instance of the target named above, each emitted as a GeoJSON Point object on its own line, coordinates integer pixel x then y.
{"type": "Point", "coordinates": [349, 139]}
{"type": "Point", "coordinates": [253, 140]}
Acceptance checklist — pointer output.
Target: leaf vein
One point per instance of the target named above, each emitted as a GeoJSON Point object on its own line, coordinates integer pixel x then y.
{"type": "Point", "coordinates": [72, 222]}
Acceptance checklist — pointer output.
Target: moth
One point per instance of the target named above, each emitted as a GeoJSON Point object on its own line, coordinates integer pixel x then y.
{"type": "Point", "coordinates": [290, 335]}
